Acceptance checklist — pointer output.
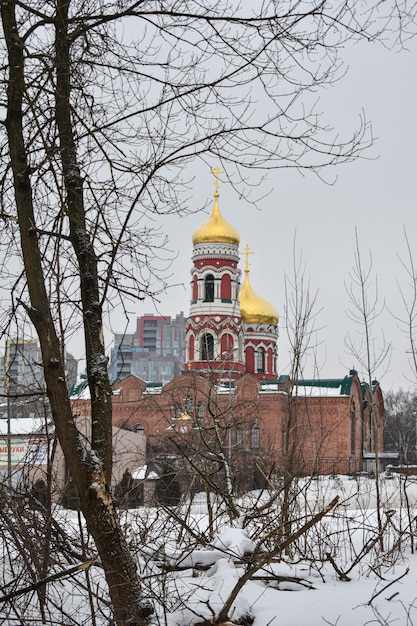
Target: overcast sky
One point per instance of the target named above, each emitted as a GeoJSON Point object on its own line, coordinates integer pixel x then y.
{"type": "Point", "coordinates": [377, 194]}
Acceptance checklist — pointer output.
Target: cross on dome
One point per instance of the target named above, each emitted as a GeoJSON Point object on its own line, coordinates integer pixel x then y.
{"type": "Point", "coordinates": [246, 252]}
{"type": "Point", "coordinates": [216, 171]}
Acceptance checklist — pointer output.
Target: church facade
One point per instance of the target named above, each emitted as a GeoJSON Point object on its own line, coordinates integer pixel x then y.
{"type": "Point", "coordinates": [229, 403]}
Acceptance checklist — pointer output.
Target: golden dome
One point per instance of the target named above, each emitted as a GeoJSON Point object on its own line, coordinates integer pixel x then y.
{"type": "Point", "coordinates": [254, 309]}
{"type": "Point", "coordinates": [216, 229]}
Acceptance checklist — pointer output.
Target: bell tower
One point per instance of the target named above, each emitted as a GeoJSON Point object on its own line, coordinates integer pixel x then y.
{"type": "Point", "coordinates": [214, 333]}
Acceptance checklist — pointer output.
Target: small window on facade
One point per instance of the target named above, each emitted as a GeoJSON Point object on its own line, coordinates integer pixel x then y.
{"type": "Point", "coordinates": [209, 288]}
{"type": "Point", "coordinates": [177, 410]}
{"type": "Point", "coordinates": [139, 430]}
{"type": "Point", "coordinates": [353, 427]}
{"type": "Point", "coordinates": [255, 437]}
{"type": "Point", "coordinates": [239, 435]}
{"type": "Point", "coordinates": [189, 405]}
{"type": "Point", "coordinates": [200, 410]}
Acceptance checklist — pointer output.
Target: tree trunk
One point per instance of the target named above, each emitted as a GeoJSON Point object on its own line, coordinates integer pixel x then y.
{"type": "Point", "coordinates": [90, 468]}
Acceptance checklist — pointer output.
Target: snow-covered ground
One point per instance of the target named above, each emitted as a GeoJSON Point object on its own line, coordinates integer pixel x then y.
{"type": "Point", "coordinates": [335, 573]}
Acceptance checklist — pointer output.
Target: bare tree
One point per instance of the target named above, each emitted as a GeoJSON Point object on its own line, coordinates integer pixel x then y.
{"type": "Point", "coordinates": [408, 320]}
{"type": "Point", "coordinates": [105, 104]}
{"type": "Point", "coordinates": [370, 351]}
{"type": "Point", "coordinates": [400, 424]}
{"type": "Point", "coordinates": [300, 316]}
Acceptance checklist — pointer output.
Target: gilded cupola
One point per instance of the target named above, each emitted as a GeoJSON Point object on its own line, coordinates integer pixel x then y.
{"type": "Point", "coordinates": [253, 308]}
{"type": "Point", "coordinates": [216, 229]}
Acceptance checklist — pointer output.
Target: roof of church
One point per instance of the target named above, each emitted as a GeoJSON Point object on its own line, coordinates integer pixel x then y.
{"type": "Point", "coordinates": [253, 308]}
{"type": "Point", "coordinates": [216, 229]}
{"type": "Point", "coordinates": [340, 386]}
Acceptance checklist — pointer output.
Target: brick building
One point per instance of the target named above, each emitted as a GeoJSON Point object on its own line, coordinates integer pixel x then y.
{"type": "Point", "coordinates": [321, 426]}
{"type": "Point", "coordinates": [229, 406]}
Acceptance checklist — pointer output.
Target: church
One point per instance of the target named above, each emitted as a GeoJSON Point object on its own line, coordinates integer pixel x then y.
{"type": "Point", "coordinates": [229, 403]}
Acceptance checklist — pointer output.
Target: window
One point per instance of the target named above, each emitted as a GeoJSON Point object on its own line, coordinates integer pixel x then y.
{"type": "Point", "coordinates": [189, 405]}
{"type": "Point", "coordinates": [207, 347]}
{"type": "Point", "coordinates": [239, 435]}
{"type": "Point", "coordinates": [177, 410]}
{"type": "Point", "coordinates": [209, 288]}
{"type": "Point", "coordinates": [260, 360]}
{"type": "Point", "coordinates": [139, 429]}
{"type": "Point", "coordinates": [200, 410]}
{"type": "Point", "coordinates": [353, 427]}
{"type": "Point", "coordinates": [255, 437]}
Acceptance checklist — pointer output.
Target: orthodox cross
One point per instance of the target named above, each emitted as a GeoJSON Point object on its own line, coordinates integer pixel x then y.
{"type": "Point", "coordinates": [216, 171]}
{"type": "Point", "coordinates": [246, 252]}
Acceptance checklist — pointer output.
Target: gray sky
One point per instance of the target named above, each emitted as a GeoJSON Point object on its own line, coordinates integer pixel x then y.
{"type": "Point", "coordinates": [376, 194]}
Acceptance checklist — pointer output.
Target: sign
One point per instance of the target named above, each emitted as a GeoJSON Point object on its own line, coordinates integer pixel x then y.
{"type": "Point", "coordinates": [33, 451]}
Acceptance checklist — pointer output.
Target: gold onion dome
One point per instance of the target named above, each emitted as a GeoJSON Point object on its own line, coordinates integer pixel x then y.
{"type": "Point", "coordinates": [216, 229]}
{"type": "Point", "coordinates": [253, 308]}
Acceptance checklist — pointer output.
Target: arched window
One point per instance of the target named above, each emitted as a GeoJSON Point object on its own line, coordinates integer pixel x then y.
{"type": "Point", "coordinates": [226, 288]}
{"type": "Point", "coordinates": [353, 427]}
{"type": "Point", "coordinates": [139, 429]}
{"type": "Point", "coordinates": [260, 360]}
{"type": "Point", "coordinates": [207, 347]}
{"type": "Point", "coordinates": [250, 359]}
{"type": "Point", "coordinates": [191, 348]}
{"type": "Point", "coordinates": [255, 437]}
{"type": "Point", "coordinates": [209, 288]}
{"type": "Point", "coordinates": [176, 410]}
{"type": "Point", "coordinates": [226, 346]}
{"type": "Point", "coordinates": [195, 288]}
{"type": "Point", "coordinates": [189, 405]}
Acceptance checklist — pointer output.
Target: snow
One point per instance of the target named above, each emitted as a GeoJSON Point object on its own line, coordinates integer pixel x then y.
{"type": "Point", "coordinates": [316, 391]}
{"type": "Point", "coordinates": [22, 426]}
{"type": "Point", "coordinates": [189, 568]}
{"type": "Point", "coordinates": [140, 474]}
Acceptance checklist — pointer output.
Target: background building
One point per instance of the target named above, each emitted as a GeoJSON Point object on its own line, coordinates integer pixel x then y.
{"type": "Point", "coordinates": [154, 353]}
{"type": "Point", "coordinates": [22, 384]}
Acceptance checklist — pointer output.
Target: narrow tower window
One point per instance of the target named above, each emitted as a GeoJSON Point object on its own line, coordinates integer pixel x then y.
{"type": "Point", "coordinates": [207, 347]}
{"type": "Point", "coordinates": [209, 288]}
{"type": "Point", "coordinates": [260, 360]}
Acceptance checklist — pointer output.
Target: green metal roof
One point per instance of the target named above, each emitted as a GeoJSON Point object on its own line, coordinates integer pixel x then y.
{"type": "Point", "coordinates": [343, 384]}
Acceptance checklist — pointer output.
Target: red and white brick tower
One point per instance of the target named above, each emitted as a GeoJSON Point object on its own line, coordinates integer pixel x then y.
{"type": "Point", "coordinates": [214, 334]}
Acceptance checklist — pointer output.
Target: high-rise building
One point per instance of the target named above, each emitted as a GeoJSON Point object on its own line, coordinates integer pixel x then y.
{"type": "Point", "coordinates": [154, 352]}
{"type": "Point", "coordinates": [23, 369]}
{"type": "Point", "coordinates": [21, 373]}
